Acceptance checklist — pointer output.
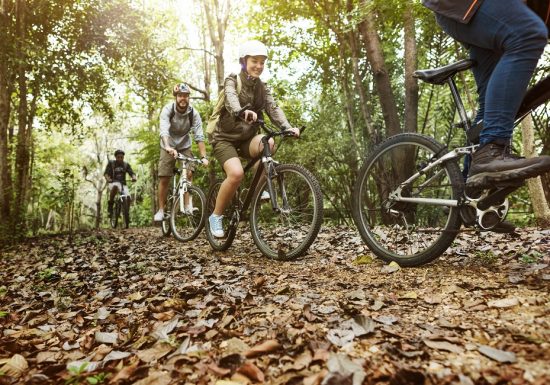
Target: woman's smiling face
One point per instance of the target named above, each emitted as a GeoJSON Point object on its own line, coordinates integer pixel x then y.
{"type": "Point", "coordinates": [255, 65]}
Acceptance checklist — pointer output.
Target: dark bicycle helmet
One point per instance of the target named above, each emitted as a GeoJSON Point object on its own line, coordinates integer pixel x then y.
{"type": "Point", "coordinates": [181, 88]}
{"type": "Point", "coordinates": [119, 152]}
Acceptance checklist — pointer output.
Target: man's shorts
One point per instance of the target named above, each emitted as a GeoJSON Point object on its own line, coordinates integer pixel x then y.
{"type": "Point", "coordinates": [225, 150]}
{"type": "Point", "coordinates": [120, 187]}
{"type": "Point", "coordinates": [167, 162]}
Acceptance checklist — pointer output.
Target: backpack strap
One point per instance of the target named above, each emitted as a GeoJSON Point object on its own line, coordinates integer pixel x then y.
{"type": "Point", "coordinates": [239, 84]}
{"type": "Point", "coordinates": [191, 113]}
{"type": "Point", "coordinates": [112, 167]}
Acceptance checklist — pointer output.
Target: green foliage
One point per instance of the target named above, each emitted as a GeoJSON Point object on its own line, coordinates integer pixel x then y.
{"type": "Point", "coordinates": [99, 73]}
{"type": "Point", "coordinates": [531, 257]}
{"type": "Point", "coordinates": [98, 378]}
{"type": "Point", "coordinates": [47, 274]}
{"type": "Point", "coordinates": [76, 373]}
{"type": "Point", "coordinates": [486, 257]}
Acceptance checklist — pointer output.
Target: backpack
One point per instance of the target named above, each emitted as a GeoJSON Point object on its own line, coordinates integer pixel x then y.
{"type": "Point", "coordinates": [191, 113]}
{"type": "Point", "coordinates": [112, 167]}
{"type": "Point", "coordinates": [215, 117]}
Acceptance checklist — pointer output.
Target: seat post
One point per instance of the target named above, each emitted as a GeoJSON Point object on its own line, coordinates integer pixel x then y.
{"type": "Point", "coordinates": [465, 122]}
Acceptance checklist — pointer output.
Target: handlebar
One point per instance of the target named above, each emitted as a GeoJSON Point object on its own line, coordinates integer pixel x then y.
{"type": "Point", "coordinates": [272, 133]}
{"type": "Point", "coordinates": [188, 159]}
{"type": "Point", "coordinates": [261, 123]}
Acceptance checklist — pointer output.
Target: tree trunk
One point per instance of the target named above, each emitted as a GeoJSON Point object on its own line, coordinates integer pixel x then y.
{"type": "Point", "coordinates": [382, 81]}
{"type": "Point", "coordinates": [536, 191]}
{"type": "Point", "coordinates": [207, 70]}
{"type": "Point", "coordinates": [217, 17]}
{"type": "Point", "coordinates": [22, 151]}
{"type": "Point", "coordinates": [5, 182]}
{"type": "Point", "coordinates": [411, 84]}
{"type": "Point", "coordinates": [359, 86]}
{"type": "Point", "coordinates": [348, 99]}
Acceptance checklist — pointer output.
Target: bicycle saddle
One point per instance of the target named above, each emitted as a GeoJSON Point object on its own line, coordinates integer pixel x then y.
{"type": "Point", "coordinates": [441, 74]}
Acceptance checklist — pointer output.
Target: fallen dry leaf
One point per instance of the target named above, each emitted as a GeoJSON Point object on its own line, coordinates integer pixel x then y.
{"type": "Point", "coordinates": [251, 371]}
{"type": "Point", "coordinates": [265, 347]}
{"type": "Point", "coordinates": [16, 366]}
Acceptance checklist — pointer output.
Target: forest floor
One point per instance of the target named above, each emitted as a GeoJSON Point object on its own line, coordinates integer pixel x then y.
{"type": "Point", "coordinates": [131, 306]}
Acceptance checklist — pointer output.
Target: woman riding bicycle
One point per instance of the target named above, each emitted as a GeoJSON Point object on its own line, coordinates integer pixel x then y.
{"type": "Point", "coordinates": [236, 136]}
{"type": "Point", "coordinates": [506, 39]}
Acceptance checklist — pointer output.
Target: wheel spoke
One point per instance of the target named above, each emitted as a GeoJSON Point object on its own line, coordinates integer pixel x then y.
{"type": "Point", "coordinates": [288, 233]}
{"type": "Point", "coordinates": [406, 232]}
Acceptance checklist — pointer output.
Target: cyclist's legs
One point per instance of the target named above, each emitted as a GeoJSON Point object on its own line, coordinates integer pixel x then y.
{"type": "Point", "coordinates": [227, 154]}
{"type": "Point", "coordinates": [114, 188]}
{"type": "Point", "coordinates": [165, 172]}
{"type": "Point", "coordinates": [509, 29]}
{"type": "Point", "coordinates": [234, 175]}
{"type": "Point", "coordinates": [256, 146]}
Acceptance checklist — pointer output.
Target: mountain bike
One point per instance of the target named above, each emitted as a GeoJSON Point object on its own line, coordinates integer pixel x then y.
{"type": "Point", "coordinates": [121, 205]}
{"type": "Point", "coordinates": [185, 207]}
{"type": "Point", "coordinates": [283, 226]}
{"type": "Point", "coordinates": [410, 200]}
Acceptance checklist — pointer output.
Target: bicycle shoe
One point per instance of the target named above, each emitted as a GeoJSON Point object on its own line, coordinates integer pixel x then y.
{"type": "Point", "coordinates": [493, 163]}
{"type": "Point", "coordinates": [159, 216]}
{"type": "Point", "coordinates": [216, 225]}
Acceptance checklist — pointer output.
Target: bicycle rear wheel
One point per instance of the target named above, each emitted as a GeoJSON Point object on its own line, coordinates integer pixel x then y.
{"type": "Point", "coordinates": [230, 219]}
{"type": "Point", "coordinates": [288, 233]}
{"type": "Point", "coordinates": [410, 234]}
{"type": "Point", "coordinates": [187, 223]}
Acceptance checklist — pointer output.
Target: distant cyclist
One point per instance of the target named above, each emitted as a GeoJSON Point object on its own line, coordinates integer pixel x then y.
{"type": "Point", "coordinates": [236, 136]}
{"type": "Point", "coordinates": [506, 39]}
{"type": "Point", "coordinates": [177, 120]}
{"type": "Point", "coordinates": [115, 173]}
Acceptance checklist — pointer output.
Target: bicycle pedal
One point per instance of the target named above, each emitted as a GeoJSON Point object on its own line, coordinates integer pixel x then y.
{"type": "Point", "coordinates": [496, 196]}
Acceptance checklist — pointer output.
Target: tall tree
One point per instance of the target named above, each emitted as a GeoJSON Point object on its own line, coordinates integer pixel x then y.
{"type": "Point", "coordinates": [62, 55]}
{"type": "Point", "coordinates": [411, 84]}
{"type": "Point", "coordinates": [217, 14]}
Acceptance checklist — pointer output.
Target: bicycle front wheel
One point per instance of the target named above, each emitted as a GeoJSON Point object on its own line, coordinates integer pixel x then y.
{"type": "Point", "coordinates": [187, 219]}
{"type": "Point", "coordinates": [410, 234]}
{"type": "Point", "coordinates": [116, 214]}
{"type": "Point", "coordinates": [230, 219]}
{"type": "Point", "coordinates": [288, 232]}
{"type": "Point", "coordinates": [165, 224]}
{"type": "Point", "coordinates": [126, 211]}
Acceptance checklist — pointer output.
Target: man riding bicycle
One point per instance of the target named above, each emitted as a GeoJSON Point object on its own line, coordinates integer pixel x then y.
{"type": "Point", "coordinates": [115, 174]}
{"type": "Point", "coordinates": [177, 120]}
{"type": "Point", "coordinates": [506, 39]}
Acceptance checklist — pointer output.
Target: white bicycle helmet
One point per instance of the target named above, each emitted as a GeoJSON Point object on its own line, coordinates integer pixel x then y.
{"type": "Point", "coordinates": [252, 48]}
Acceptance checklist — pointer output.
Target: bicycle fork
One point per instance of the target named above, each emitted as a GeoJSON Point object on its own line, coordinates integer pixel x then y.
{"type": "Point", "coordinates": [271, 173]}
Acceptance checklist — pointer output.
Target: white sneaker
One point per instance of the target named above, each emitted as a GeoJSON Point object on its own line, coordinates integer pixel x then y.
{"type": "Point", "coordinates": [216, 225]}
{"type": "Point", "coordinates": [159, 216]}
{"type": "Point", "coordinates": [265, 196]}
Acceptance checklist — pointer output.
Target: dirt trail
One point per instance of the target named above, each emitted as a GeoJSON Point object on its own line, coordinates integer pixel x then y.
{"type": "Point", "coordinates": [140, 308]}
